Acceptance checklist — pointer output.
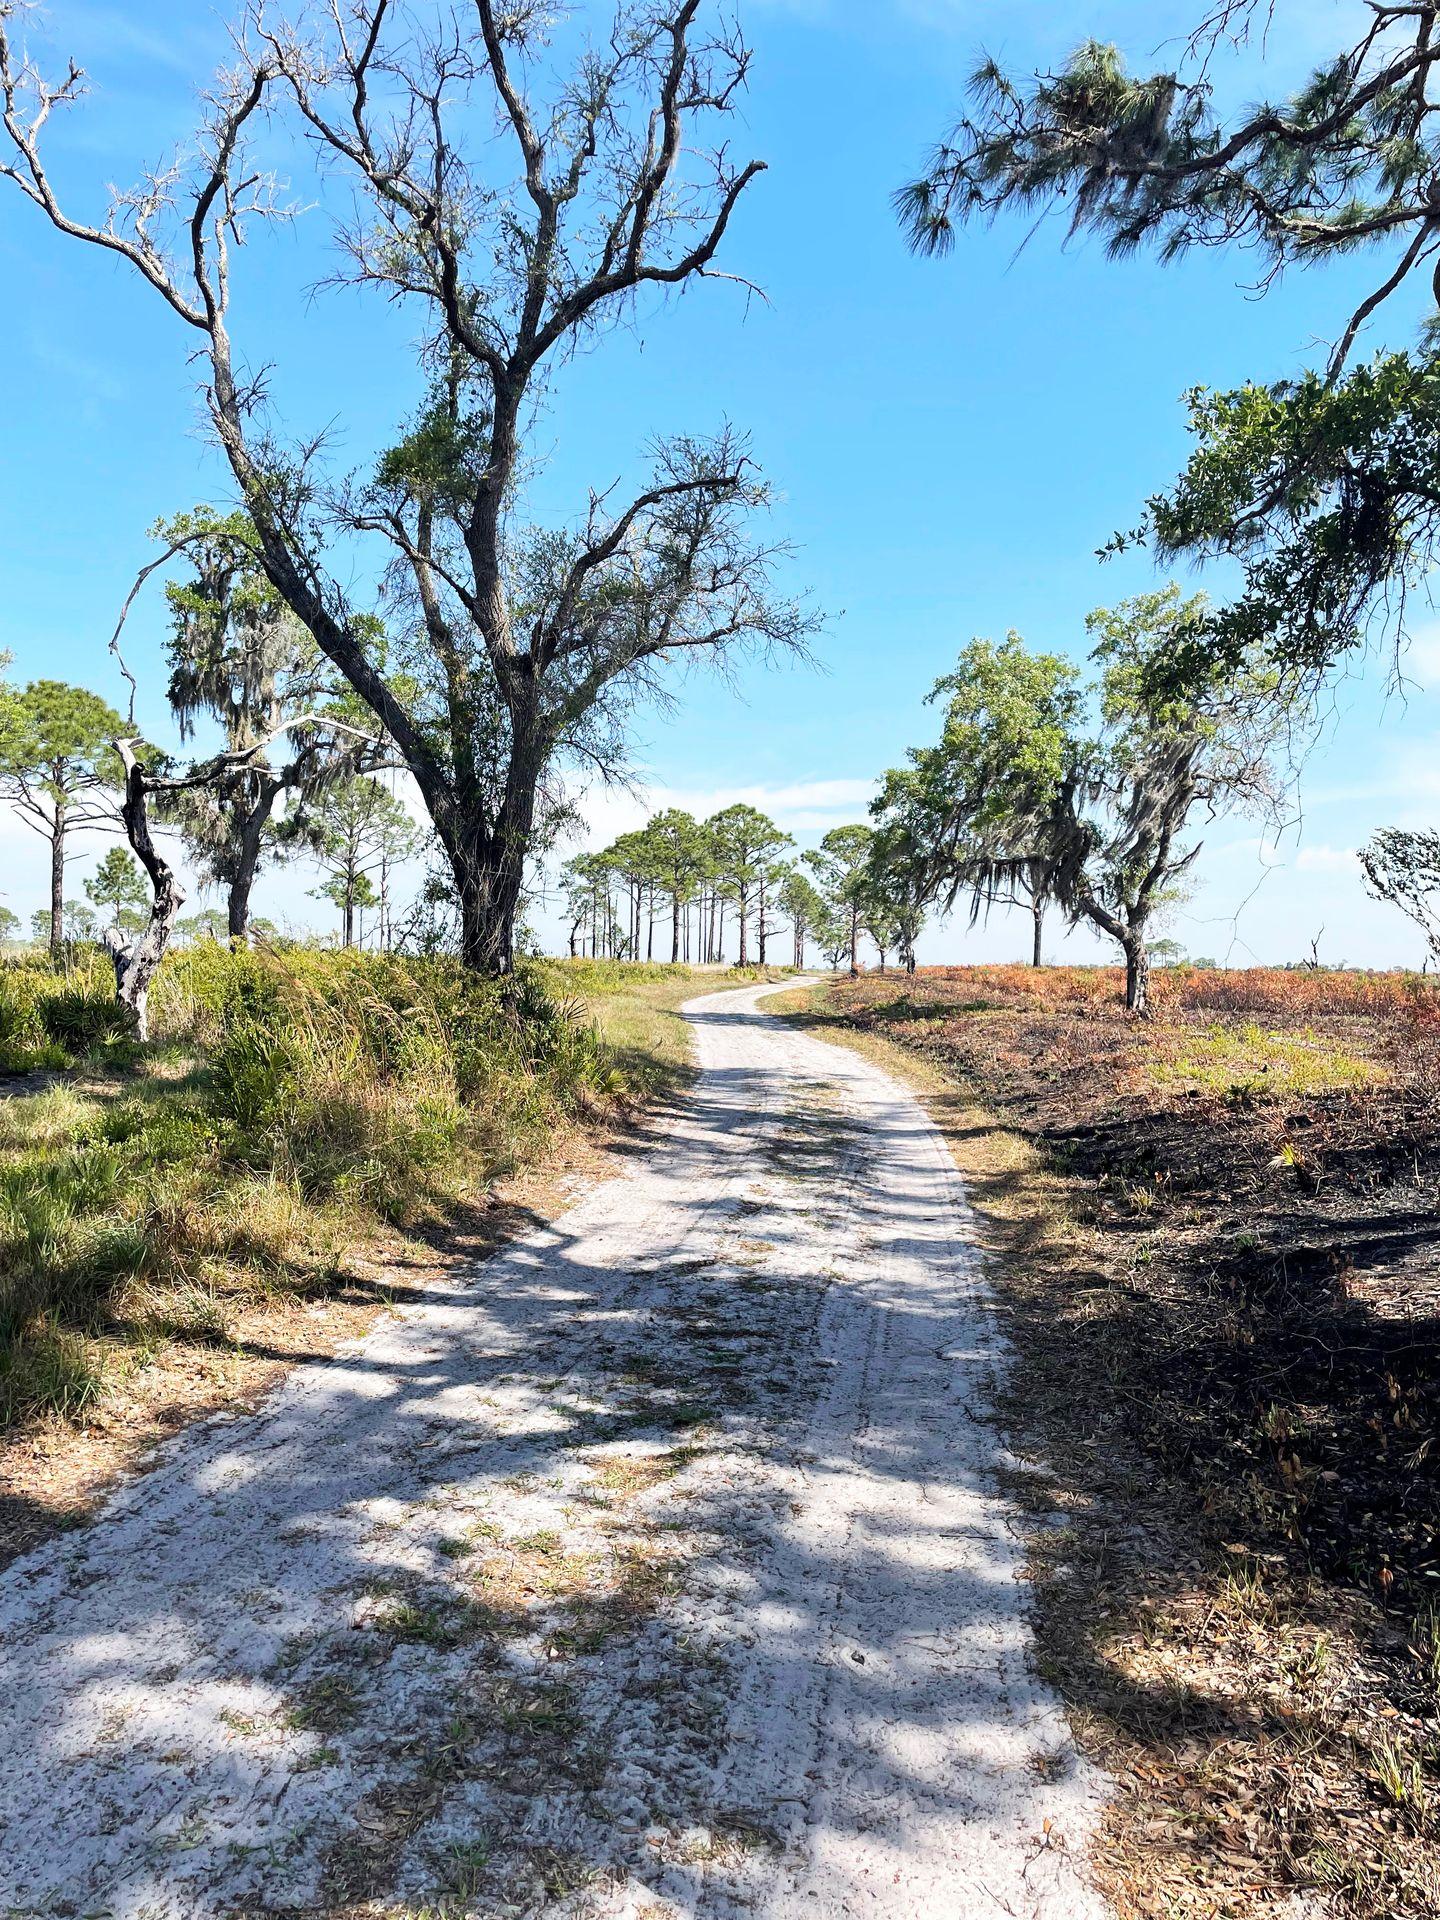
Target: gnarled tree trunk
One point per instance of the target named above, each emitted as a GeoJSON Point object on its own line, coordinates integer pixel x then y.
{"type": "Point", "coordinates": [137, 959]}
{"type": "Point", "coordinates": [1130, 933]}
{"type": "Point", "coordinates": [1137, 973]}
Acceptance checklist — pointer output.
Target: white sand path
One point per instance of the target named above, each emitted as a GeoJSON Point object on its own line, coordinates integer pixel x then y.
{"type": "Point", "coordinates": [653, 1567]}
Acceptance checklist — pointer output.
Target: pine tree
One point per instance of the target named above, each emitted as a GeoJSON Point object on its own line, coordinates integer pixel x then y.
{"type": "Point", "coordinates": [59, 771]}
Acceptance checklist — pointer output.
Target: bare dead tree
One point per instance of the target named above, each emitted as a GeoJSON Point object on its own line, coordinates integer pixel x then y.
{"type": "Point", "coordinates": [529, 645]}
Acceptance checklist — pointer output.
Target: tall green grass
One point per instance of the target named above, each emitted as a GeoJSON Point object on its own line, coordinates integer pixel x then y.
{"type": "Point", "coordinates": [283, 1099]}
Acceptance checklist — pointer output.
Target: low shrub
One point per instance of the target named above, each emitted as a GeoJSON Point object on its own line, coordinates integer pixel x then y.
{"type": "Point", "coordinates": [316, 1087]}
{"type": "Point", "coordinates": [81, 1020]}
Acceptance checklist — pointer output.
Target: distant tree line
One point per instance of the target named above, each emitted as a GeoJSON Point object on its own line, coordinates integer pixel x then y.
{"type": "Point", "coordinates": [684, 890]}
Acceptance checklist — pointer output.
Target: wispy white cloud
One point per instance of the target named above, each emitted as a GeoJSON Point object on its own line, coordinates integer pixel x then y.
{"type": "Point", "coordinates": [99, 384]}
{"type": "Point", "coordinates": [1326, 860]}
{"type": "Point", "coordinates": [1407, 774]}
{"type": "Point", "coordinates": [96, 32]}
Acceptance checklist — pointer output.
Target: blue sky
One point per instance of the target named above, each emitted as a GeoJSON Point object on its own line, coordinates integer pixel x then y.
{"type": "Point", "coordinates": [951, 440]}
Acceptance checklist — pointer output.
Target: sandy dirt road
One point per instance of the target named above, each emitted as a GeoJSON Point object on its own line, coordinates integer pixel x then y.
{"type": "Point", "coordinates": [653, 1568]}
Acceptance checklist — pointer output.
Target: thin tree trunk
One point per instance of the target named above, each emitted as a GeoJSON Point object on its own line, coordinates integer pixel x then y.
{"type": "Point", "coordinates": [1037, 909]}
{"type": "Point", "coordinates": [854, 941]}
{"type": "Point", "coordinates": [57, 880]}
{"type": "Point", "coordinates": [675, 927]}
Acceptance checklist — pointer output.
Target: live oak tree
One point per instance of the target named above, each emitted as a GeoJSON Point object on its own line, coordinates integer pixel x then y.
{"type": "Point", "coordinates": [1325, 487]}
{"type": "Point", "coordinates": [1097, 791]}
{"type": "Point", "coordinates": [1327, 492]}
{"type": "Point", "coordinates": [948, 822]}
{"type": "Point", "coordinates": [1115, 830]}
{"type": "Point", "coordinates": [239, 657]}
{"type": "Point", "coordinates": [60, 772]}
{"type": "Point", "coordinates": [530, 644]}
